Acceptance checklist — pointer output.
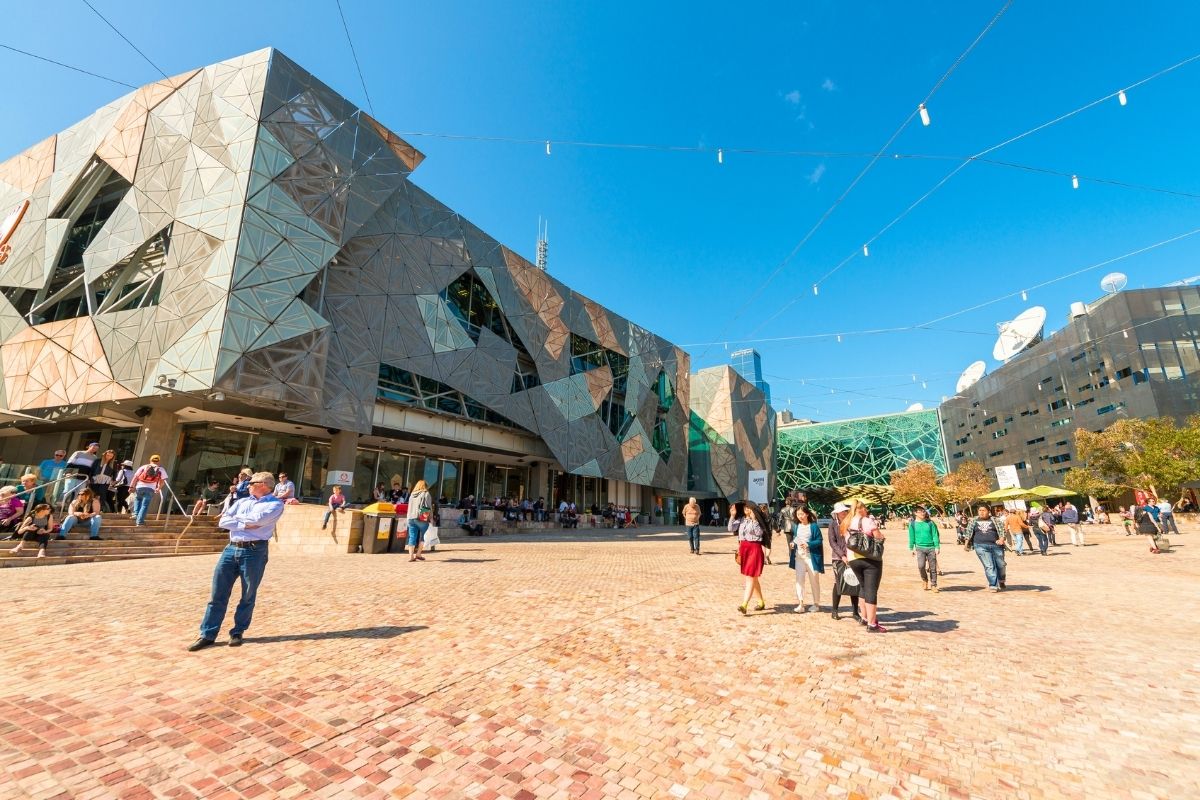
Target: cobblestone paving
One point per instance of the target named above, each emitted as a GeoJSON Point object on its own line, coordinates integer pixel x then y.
{"type": "Point", "coordinates": [600, 665]}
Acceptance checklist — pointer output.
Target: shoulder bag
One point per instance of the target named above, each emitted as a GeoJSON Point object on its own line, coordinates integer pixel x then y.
{"type": "Point", "coordinates": [865, 546]}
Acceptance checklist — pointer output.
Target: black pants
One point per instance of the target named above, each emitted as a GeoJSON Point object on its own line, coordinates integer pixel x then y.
{"type": "Point", "coordinates": [104, 492]}
{"type": "Point", "coordinates": [122, 492]}
{"type": "Point", "coordinates": [838, 566]}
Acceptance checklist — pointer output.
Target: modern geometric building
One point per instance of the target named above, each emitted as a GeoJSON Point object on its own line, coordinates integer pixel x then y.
{"type": "Point", "coordinates": [825, 455]}
{"type": "Point", "coordinates": [748, 364]}
{"type": "Point", "coordinates": [233, 266]}
{"type": "Point", "coordinates": [1132, 354]}
{"type": "Point", "coordinates": [731, 433]}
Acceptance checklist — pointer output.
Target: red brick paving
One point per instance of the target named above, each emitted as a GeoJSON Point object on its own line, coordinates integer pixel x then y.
{"type": "Point", "coordinates": [590, 666]}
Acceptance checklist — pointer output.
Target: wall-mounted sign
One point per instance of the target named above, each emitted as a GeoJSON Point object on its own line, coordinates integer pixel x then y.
{"type": "Point", "coordinates": [758, 486]}
{"type": "Point", "coordinates": [339, 477]}
{"type": "Point", "coordinates": [9, 226]}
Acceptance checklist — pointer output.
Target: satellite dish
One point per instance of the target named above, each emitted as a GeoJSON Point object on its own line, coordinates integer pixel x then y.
{"type": "Point", "coordinates": [915, 407]}
{"type": "Point", "coordinates": [970, 377]}
{"type": "Point", "coordinates": [1020, 333]}
{"type": "Point", "coordinates": [1114, 282]}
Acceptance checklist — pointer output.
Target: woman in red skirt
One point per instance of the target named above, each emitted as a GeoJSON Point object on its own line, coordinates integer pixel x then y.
{"type": "Point", "coordinates": [746, 521]}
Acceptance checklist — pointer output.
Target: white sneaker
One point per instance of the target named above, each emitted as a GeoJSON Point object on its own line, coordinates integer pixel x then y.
{"type": "Point", "coordinates": [800, 609]}
{"type": "Point", "coordinates": [814, 608]}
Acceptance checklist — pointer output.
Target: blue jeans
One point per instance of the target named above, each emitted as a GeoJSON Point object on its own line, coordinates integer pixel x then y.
{"type": "Point", "coordinates": [70, 521]}
{"type": "Point", "coordinates": [416, 531]}
{"type": "Point", "coordinates": [992, 558]}
{"type": "Point", "coordinates": [141, 504]}
{"type": "Point", "coordinates": [1043, 540]}
{"type": "Point", "coordinates": [693, 534]}
{"type": "Point", "coordinates": [247, 564]}
{"type": "Point", "coordinates": [1166, 522]}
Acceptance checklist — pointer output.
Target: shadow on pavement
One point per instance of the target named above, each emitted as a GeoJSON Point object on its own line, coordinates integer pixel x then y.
{"type": "Point", "coordinates": [467, 560]}
{"type": "Point", "coordinates": [961, 589]}
{"type": "Point", "coordinates": [378, 632]}
{"type": "Point", "coordinates": [1026, 588]}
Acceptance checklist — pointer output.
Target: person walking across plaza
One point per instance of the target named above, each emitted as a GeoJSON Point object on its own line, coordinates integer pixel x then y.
{"type": "Point", "coordinates": [841, 559]}
{"type": "Point", "coordinates": [808, 557]}
{"type": "Point", "coordinates": [1070, 518]}
{"type": "Point", "coordinates": [745, 521]}
{"type": "Point", "coordinates": [691, 524]}
{"type": "Point", "coordinates": [420, 513]}
{"type": "Point", "coordinates": [1146, 526]}
{"type": "Point", "coordinates": [925, 543]}
{"type": "Point", "coordinates": [1166, 517]}
{"type": "Point", "coordinates": [860, 526]}
{"type": "Point", "coordinates": [986, 538]}
{"type": "Point", "coordinates": [1039, 526]}
{"type": "Point", "coordinates": [251, 524]}
{"type": "Point", "coordinates": [1018, 530]}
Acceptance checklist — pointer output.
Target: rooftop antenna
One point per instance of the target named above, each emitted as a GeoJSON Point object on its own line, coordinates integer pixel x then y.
{"type": "Point", "coordinates": [542, 243]}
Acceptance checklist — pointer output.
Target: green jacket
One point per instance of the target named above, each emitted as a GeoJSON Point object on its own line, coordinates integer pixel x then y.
{"type": "Point", "coordinates": [923, 534]}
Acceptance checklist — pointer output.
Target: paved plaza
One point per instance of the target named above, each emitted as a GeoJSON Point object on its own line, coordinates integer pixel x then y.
{"type": "Point", "coordinates": [605, 665]}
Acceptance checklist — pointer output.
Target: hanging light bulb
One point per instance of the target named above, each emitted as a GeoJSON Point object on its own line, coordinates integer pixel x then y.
{"type": "Point", "coordinates": [1074, 181]}
{"type": "Point", "coordinates": [924, 114]}
{"type": "Point", "coordinates": [547, 147]}
{"type": "Point", "coordinates": [720, 156]}
{"type": "Point", "coordinates": [1024, 295]}
{"type": "Point", "coordinates": [816, 291]}
{"type": "Point", "coordinates": [1121, 98]}
{"type": "Point", "coordinates": [866, 250]}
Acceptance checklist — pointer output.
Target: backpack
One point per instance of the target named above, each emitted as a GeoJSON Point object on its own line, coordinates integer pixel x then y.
{"type": "Point", "coordinates": [151, 473]}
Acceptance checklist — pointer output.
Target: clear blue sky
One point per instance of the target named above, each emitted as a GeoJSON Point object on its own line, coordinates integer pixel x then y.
{"type": "Point", "coordinates": [679, 243]}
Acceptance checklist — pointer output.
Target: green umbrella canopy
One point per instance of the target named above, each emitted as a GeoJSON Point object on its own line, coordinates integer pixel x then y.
{"type": "Point", "coordinates": [1015, 493]}
{"type": "Point", "coordinates": [1048, 492]}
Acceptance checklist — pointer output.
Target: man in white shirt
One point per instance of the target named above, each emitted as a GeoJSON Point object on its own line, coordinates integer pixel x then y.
{"type": "Point", "coordinates": [251, 524]}
{"type": "Point", "coordinates": [284, 489]}
{"type": "Point", "coordinates": [1166, 517]}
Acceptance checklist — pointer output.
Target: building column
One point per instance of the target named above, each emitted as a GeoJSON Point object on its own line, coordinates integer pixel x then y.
{"type": "Point", "coordinates": [539, 477]}
{"type": "Point", "coordinates": [161, 433]}
{"type": "Point", "coordinates": [343, 452]}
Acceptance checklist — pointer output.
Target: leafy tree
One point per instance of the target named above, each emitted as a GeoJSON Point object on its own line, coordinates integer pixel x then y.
{"type": "Point", "coordinates": [1087, 482]}
{"type": "Point", "coordinates": [1155, 453]}
{"type": "Point", "coordinates": [968, 482]}
{"type": "Point", "coordinates": [917, 483]}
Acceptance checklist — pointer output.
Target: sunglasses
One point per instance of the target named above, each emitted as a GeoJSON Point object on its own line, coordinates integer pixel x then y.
{"type": "Point", "coordinates": [252, 483]}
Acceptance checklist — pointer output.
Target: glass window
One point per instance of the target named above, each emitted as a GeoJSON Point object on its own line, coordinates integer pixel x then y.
{"type": "Point", "coordinates": [449, 483]}
{"type": "Point", "coordinates": [209, 452]}
{"type": "Point", "coordinates": [393, 468]}
{"type": "Point", "coordinates": [312, 480]}
{"type": "Point", "coordinates": [275, 453]}
{"type": "Point", "coordinates": [363, 489]}
{"type": "Point", "coordinates": [429, 473]}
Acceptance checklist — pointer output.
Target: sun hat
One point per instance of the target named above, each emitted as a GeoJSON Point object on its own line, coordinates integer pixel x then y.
{"type": "Point", "coordinates": [127, 463]}
{"type": "Point", "coordinates": [838, 508]}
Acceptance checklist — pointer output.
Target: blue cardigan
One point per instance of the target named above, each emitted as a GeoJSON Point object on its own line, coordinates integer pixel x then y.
{"type": "Point", "coordinates": [816, 551]}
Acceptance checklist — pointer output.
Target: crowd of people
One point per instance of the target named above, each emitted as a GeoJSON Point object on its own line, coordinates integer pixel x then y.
{"type": "Point", "coordinates": [856, 541]}
{"type": "Point", "coordinates": [82, 487]}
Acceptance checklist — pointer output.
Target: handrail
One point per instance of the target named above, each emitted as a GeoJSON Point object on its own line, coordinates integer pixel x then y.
{"type": "Point", "coordinates": [191, 519]}
{"type": "Point", "coordinates": [60, 479]}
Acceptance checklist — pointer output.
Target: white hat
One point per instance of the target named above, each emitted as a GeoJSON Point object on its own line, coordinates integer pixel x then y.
{"type": "Point", "coordinates": [838, 508]}
{"type": "Point", "coordinates": [126, 463]}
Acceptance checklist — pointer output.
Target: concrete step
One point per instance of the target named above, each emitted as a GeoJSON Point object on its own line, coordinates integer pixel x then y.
{"type": "Point", "coordinates": [51, 560]}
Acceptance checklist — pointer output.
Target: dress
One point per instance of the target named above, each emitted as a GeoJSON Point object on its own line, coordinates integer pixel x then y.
{"type": "Point", "coordinates": [750, 550]}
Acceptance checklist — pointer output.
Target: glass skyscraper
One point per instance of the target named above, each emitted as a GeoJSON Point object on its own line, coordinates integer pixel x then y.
{"type": "Point", "coordinates": [748, 364]}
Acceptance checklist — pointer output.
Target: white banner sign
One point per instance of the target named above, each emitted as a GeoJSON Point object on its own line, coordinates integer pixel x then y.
{"type": "Point", "coordinates": [758, 486]}
{"type": "Point", "coordinates": [339, 477]}
{"type": "Point", "coordinates": [1007, 478]}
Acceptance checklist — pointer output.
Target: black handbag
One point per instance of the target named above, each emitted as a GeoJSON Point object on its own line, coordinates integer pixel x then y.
{"type": "Point", "coordinates": [865, 546]}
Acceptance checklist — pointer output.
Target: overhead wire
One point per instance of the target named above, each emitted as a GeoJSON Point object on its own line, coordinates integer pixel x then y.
{"type": "Point", "coordinates": [928, 326]}
{"type": "Point", "coordinates": [67, 66]}
{"type": "Point", "coordinates": [128, 41]}
{"type": "Point", "coordinates": [980, 156]}
{"type": "Point", "coordinates": [354, 53]}
{"type": "Point", "coordinates": [862, 174]}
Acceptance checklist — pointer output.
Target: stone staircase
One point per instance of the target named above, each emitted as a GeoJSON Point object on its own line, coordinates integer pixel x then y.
{"type": "Point", "coordinates": [122, 540]}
